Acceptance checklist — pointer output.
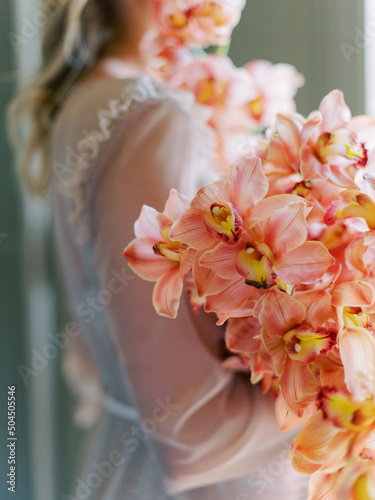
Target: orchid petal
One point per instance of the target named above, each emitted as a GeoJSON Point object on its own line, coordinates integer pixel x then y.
{"type": "Point", "coordinates": [268, 206]}
{"type": "Point", "coordinates": [186, 261]}
{"type": "Point", "coordinates": [311, 167]}
{"type": "Point", "coordinates": [288, 131]}
{"type": "Point", "coordinates": [246, 309]}
{"type": "Point", "coordinates": [247, 184]}
{"type": "Point", "coordinates": [167, 293]}
{"type": "Point", "coordinates": [241, 335]}
{"type": "Point", "coordinates": [335, 112]}
{"type": "Point", "coordinates": [286, 229]}
{"type": "Point", "coordinates": [357, 351]}
{"type": "Point", "coordinates": [212, 193]}
{"type": "Point", "coordinates": [236, 364]}
{"type": "Point", "coordinates": [354, 256]}
{"type": "Point", "coordinates": [298, 384]}
{"type": "Point", "coordinates": [353, 294]}
{"type": "Point", "coordinates": [232, 298]}
{"type": "Point", "coordinates": [286, 419]}
{"type": "Point", "coordinates": [318, 307]}
{"type": "Point", "coordinates": [338, 451]}
{"type": "Point", "coordinates": [150, 223]}
{"type": "Point", "coordinates": [364, 128]}
{"type": "Point", "coordinates": [340, 177]}
{"type": "Point", "coordinates": [312, 121]}
{"type": "Point", "coordinates": [309, 448]}
{"type": "Point", "coordinates": [142, 259]}
{"type": "Point", "coordinates": [190, 229]}
{"type": "Point", "coordinates": [305, 264]}
{"type": "Point", "coordinates": [370, 178]}
{"type": "Point", "coordinates": [176, 205]}
{"type": "Point", "coordinates": [322, 486]}
{"type": "Point", "coordinates": [221, 259]}
{"type": "Point", "coordinates": [253, 230]}
{"type": "Point", "coordinates": [207, 281]}
{"type": "Point", "coordinates": [274, 346]}
{"type": "Point", "coordinates": [280, 313]}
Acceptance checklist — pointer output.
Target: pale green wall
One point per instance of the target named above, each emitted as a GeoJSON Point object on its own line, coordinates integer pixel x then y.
{"type": "Point", "coordinates": [12, 333]}
{"type": "Point", "coordinates": [307, 34]}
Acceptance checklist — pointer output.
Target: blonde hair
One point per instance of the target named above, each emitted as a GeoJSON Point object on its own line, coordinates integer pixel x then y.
{"type": "Point", "coordinates": [74, 37]}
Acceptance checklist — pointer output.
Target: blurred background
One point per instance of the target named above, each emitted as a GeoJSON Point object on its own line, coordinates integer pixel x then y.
{"type": "Point", "coordinates": [330, 42]}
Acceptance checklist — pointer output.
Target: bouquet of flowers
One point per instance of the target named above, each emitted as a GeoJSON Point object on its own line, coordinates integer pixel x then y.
{"type": "Point", "coordinates": [281, 248]}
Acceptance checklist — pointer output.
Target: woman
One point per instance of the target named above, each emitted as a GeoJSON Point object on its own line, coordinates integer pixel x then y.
{"type": "Point", "coordinates": [174, 423]}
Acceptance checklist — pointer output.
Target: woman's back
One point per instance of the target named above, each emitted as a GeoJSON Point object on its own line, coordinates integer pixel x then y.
{"type": "Point", "coordinates": [117, 145]}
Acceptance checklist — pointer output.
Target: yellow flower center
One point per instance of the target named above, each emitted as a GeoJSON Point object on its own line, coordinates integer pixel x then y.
{"type": "Point", "coordinates": [352, 415]}
{"type": "Point", "coordinates": [362, 206]}
{"type": "Point", "coordinates": [256, 107]}
{"type": "Point", "coordinates": [255, 263]}
{"type": "Point", "coordinates": [178, 19]}
{"type": "Point", "coordinates": [303, 344]}
{"type": "Point", "coordinates": [213, 11]}
{"type": "Point", "coordinates": [168, 248]}
{"type": "Point", "coordinates": [363, 489]}
{"type": "Point", "coordinates": [223, 222]}
{"type": "Point", "coordinates": [211, 92]}
{"type": "Point", "coordinates": [356, 317]}
{"type": "Point", "coordinates": [301, 189]}
{"type": "Point", "coordinates": [340, 143]}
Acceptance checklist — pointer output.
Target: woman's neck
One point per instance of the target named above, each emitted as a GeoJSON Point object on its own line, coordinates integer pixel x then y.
{"type": "Point", "coordinates": [122, 57]}
{"type": "Point", "coordinates": [120, 60]}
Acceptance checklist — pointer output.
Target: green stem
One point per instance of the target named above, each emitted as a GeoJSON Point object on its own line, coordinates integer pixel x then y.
{"type": "Point", "coordinates": [222, 50]}
{"type": "Point", "coordinates": [198, 52]}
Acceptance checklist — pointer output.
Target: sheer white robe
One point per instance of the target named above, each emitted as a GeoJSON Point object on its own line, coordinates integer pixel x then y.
{"type": "Point", "coordinates": [174, 423]}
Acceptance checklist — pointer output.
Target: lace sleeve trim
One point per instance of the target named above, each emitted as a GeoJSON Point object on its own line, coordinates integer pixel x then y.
{"type": "Point", "coordinates": [73, 181]}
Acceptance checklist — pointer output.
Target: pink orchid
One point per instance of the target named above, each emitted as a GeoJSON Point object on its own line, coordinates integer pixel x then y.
{"type": "Point", "coordinates": [281, 155]}
{"type": "Point", "coordinates": [357, 209]}
{"type": "Point", "coordinates": [236, 250]}
{"type": "Point", "coordinates": [282, 249]}
{"type": "Point", "coordinates": [351, 301]}
{"type": "Point", "coordinates": [275, 244]}
{"type": "Point", "coordinates": [164, 57]}
{"type": "Point", "coordinates": [272, 252]}
{"type": "Point", "coordinates": [217, 212]}
{"type": "Point", "coordinates": [370, 178]}
{"type": "Point", "coordinates": [216, 215]}
{"type": "Point", "coordinates": [286, 419]}
{"type": "Point", "coordinates": [334, 151]}
{"type": "Point", "coordinates": [352, 203]}
{"type": "Point", "coordinates": [197, 23]}
{"type": "Point", "coordinates": [242, 336]}
{"type": "Point", "coordinates": [217, 83]}
{"type": "Point", "coordinates": [155, 257]}
{"type": "Point", "coordinates": [323, 146]}
{"type": "Point", "coordinates": [276, 85]}
{"type": "Point", "coordinates": [340, 430]}
{"type": "Point", "coordinates": [294, 336]}
{"type": "Point", "coordinates": [355, 481]}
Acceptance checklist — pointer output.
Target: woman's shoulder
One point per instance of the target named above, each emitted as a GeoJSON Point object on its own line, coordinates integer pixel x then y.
{"type": "Point", "coordinates": [104, 102]}
{"type": "Point", "coordinates": [99, 112]}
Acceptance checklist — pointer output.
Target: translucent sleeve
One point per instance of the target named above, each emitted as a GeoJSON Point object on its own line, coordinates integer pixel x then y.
{"type": "Point", "coordinates": [211, 426]}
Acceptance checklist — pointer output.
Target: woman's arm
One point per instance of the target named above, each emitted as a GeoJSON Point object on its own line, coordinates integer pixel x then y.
{"type": "Point", "coordinates": [214, 427]}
